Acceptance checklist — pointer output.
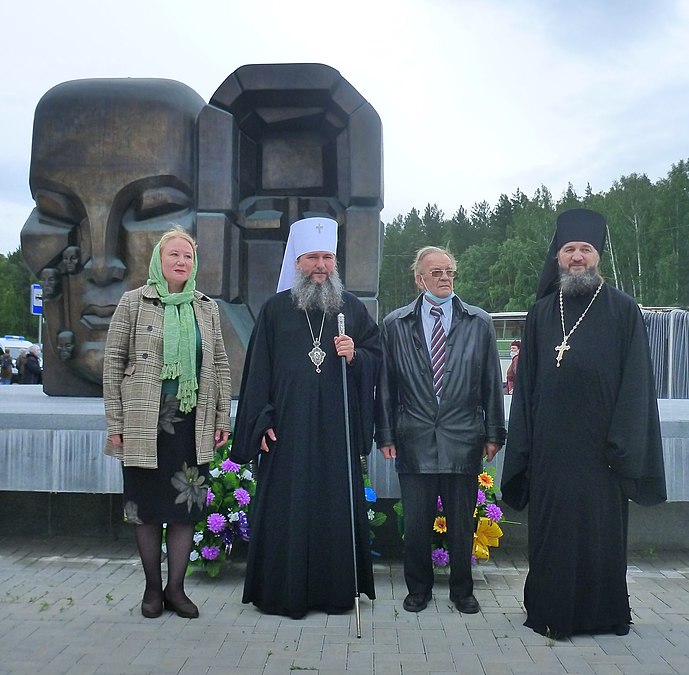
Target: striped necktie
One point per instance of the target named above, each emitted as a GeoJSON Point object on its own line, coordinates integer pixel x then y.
{"type": "Point", "coordinates": [437, 350]}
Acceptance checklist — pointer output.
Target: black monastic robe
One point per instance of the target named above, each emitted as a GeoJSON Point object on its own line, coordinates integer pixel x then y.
{"type": "Point", "coordinates": [300, 554]}
{"type": "Point", "coordinates": [582, 440]}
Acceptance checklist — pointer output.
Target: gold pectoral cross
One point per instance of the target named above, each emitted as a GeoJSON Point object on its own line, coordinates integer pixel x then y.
{"type": "Point", "coordinates": [561, 349]}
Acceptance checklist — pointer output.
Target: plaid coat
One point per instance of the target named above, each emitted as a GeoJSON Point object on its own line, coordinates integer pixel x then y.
{"type": "Point", "coordinates": [132, 384]}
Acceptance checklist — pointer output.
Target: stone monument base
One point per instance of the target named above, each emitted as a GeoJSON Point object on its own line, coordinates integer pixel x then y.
{"type": "Point", "coordinates": [56, 481]}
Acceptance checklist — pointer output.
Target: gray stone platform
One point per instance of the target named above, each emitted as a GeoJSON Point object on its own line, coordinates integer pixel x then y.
{"type": "Point", "coordinates": [55, 444]}
{"type": "Point", "coordinates": [72, 606]}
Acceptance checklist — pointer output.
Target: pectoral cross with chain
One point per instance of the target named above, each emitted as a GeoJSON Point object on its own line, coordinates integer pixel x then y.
{"type": "Point", "coordinates": [561, 349]}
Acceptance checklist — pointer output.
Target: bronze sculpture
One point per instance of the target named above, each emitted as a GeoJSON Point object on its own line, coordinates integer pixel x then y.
{"type": "Point", "coordinates": [71, 260]}
{"type": "Point", "coordinates": [64, 345]}
{"type": "Point", "coordinates": [112, 163]}
{"type": "Point", "coordinates": [115, 161]}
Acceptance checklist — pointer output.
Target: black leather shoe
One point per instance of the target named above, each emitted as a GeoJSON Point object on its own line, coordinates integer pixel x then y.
{"type": "Point", "coordinates": [152, 609]}
{"type": "Point", "coordinates": [416, 602]}
{"type": "Point", "coordinates": [468, 605]}
{"type": "Point", "coordinates": [622, 629]}
{"type": "Point", "coordinates": [186, 609]}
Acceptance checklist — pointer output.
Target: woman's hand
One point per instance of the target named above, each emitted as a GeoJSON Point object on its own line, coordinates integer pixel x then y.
{"type": "Point", "coordinates": [221, 437]}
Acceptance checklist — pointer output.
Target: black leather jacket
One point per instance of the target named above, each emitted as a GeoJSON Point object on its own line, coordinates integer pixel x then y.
{"type": "Point", "coordinates": [445, 437]}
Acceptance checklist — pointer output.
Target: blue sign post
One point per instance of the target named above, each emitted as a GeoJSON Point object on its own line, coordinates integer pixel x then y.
{"type": "Point", "coordinates": [37, 309]}
{"type": "Point", "coordinates": [36, 300]}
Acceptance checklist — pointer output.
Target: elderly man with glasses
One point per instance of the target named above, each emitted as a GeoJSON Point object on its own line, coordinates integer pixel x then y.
{"type": "Point", "coordinates": [439, 411]}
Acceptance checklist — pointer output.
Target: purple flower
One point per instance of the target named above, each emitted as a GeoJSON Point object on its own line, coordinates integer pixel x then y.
{"type": "Point", "coordinates": [230, 466]}
{"type": "Point", "coordinates": [244, 530]}
{"type": "Point", "coordinates": [242, 496]}
{"type": "Point", "coordinates": [216, 523]}
{"type": "Point", "coordinates": [209, 497]}
{"type": "Point", "coordinates": [440, 505]}
{"type": "Point", "coordinates": [210, 552]}
{"type": "Point", "coordinates": [440, 557]}
{"type": "Point", "coordinates": [480, 498]}
{"type": "Point", "coordinates": [493, 512]}
{"type": "Point", "coordinates": [474, 559]}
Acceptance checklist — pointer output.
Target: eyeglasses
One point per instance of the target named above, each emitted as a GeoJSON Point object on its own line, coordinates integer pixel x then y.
{"type": "Point", "coordinates": [437, 274]}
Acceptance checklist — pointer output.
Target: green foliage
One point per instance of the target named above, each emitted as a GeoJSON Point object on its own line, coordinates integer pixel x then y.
{"type": "Point", "coordinates": [500, 250]}
{"type": "Point", "coordinates": [15, 297]}
{"type": "Point", "coordinates": [375, 518]}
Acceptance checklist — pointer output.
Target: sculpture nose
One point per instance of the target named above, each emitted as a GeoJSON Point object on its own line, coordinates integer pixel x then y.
{"type": "Point", "coordinates": [104, 271]}
{"type": "Point", "coordinates": [104, 266]}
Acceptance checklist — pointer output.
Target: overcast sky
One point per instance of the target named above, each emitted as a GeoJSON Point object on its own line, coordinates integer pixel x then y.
{"type": "Point", "coordinates": [477, 97]}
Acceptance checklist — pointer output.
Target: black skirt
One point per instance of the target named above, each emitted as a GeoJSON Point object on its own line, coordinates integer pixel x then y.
{"type": "Point", "coordinates": [174, 492]}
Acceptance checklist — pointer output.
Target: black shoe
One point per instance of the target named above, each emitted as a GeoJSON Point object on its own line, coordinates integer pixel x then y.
{"type": "Point", "coordinates": [416, 602]}
{"type": "Point", "coordinates": [152, 609]}
{"type": "Point", "coordinates": [468, 605]}
{"type": "Point", "coordinates": [186, 609]}
{"type": "Point", "coordinates": [622, 629]}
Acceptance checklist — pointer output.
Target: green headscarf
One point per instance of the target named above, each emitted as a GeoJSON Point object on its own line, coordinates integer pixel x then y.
{"type": "Point", "coordinates": [179, 332]}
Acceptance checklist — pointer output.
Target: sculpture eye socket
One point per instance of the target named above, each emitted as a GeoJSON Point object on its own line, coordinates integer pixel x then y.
{"type": "Point", "coordinates": [156, 202]}
{"type": "Point", "coordinates": [58, 206]}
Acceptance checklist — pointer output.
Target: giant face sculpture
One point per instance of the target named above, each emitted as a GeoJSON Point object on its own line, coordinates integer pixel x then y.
{"type": "Point", "coordinates": [306, 143]}
{"type": "Point", "coordinates": [280, 142]}
{"type": "Point", "coordinates": [115, 161]}
{"type": "Point", "coordinates": [112, 164]}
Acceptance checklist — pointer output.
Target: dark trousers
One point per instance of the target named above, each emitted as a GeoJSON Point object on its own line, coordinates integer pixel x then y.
{"type": "Point", "coordinates": [419, 501]}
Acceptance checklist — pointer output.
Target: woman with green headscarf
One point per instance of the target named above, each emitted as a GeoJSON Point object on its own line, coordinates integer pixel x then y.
{"type": "Point", "coordinates": [166, 387]}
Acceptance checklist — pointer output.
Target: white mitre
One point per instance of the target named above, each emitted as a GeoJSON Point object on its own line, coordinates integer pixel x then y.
{"type": "Point", "coordinates": [306, 236]}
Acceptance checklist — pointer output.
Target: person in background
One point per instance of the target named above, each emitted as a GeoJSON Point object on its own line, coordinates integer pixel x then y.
{"type": "Point", "coordinates": [511, 374]}
{"type": "Point", "coordinates": [166, 388]}
{"type": "Point", "coordinates": [439, 411]}
{"type": "Point", "coordinates": [33, 374]}
{"type": "Point", "coordinates": [20, 366]}
{"type": "Point", "coordinates": [584, 437]}
{"type": "Point", "coordinates": [6, 367]}
{"type": "Point", "coordinates": [292, 413]}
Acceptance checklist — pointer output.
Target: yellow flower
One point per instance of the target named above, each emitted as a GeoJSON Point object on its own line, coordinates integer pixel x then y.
{"type": "Point", "coordinates": [485, 480]}
{"type": "Point", "coordinates": [440, 524]}
{"type": "Point", "coordinates": [487, 534]}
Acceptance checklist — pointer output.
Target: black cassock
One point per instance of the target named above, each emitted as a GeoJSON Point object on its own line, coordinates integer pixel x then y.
{"type": "Point", "coordinates": [582, 440]}
{"type": "Point", "coordinates": [300, 553]}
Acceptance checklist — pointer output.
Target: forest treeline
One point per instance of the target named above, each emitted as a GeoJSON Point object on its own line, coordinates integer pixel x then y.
{"type": "Point", "coordinates": [500, 249]}
{"type": "Point", "coordinates": [15, 297]}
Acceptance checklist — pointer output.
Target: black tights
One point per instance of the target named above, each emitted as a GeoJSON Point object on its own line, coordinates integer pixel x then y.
{"type": "Point", "coordinates": [179, 541]}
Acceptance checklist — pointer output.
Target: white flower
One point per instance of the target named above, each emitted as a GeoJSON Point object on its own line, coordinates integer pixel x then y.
{"type": "Point", "coordinates": [371, 514]}
{"type": "Point", "coordinates": [194, 555]}
{"type": "Point", "coordinates": [232, 516]}
{"type": "Point", "coordinates": [247, 475]}
{"type": "Point", "coordinates": [215, 472]}
{"type": "Point", "coordinates": [198, 536]}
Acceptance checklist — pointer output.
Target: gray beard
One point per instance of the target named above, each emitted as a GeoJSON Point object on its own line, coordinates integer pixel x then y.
{"type": "Point", "coordinates": [580, 283]}
{"type": "Point", "coordinates": [326, 296]}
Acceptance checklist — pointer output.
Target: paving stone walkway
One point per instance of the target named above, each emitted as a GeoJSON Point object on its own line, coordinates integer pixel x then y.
{"type": "Point", "coordinates": [72, 606]}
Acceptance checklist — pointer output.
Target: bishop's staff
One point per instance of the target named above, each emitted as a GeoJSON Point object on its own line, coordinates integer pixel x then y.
{"type": "Point", "coordinates": [341, 331]}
